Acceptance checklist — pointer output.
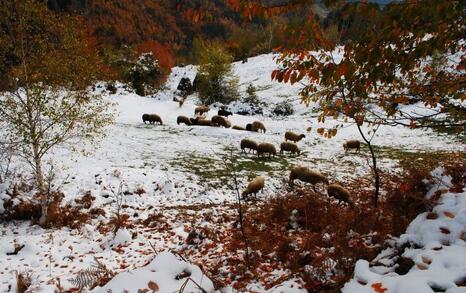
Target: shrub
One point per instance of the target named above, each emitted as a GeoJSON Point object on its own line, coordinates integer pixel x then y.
{"type": "Point", "coordinates": [284, 108]}
{"type": "Point", "coordinates": [312, 236]}
{"type": "Point", "coordinates": [145, 74]}
{"type": "Point", "coordinates": [216, 82]}
{"type": "Point", "coordinates": [251, 100]}
{"type": "Point", "coordinates": [185, 87]}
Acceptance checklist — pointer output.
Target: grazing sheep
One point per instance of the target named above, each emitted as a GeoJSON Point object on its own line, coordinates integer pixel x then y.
{"type": "Point", "coordinates": [236, 127]}
{"type": "Point", "coordinates": [248, 144]}
{"type": "Point", "coordinates": [339, 192]}
{"type": "Point", "coordinates": [289, 147]}
{"type": "Point", "coordinates": [249, 127]}
{"type": "Point", "coordinates": [293, 136]}
{"type": "Point", "coordinates": [352, 144]}
{"type": "Point", "coordinates": [181, 102]}
{"type": "Point", "coordinates": [183, 119]}
{"type": "Point", "coordinates": [151, 118]}
{"type": "Point", "coordinates": [257, 125]}
{"type": "Point", "coordinates": [200, 116]}
{"type": "Point", "coordinates": [306, 175]}
{"type": "Point", "coordinates": [201, 110]}
{"type": "Point", "coordinates": [193, 121]}
{"type": "Point", "coordinates": [256, 185]}
{"type": "Point", "coordinates": [223, 112]}
{"type": "Point", "coordinates": [204, 122]}
{"type": "Point", "coordinates": [266, 148]}
{"type": "Point", "coordinates": [220, 121]}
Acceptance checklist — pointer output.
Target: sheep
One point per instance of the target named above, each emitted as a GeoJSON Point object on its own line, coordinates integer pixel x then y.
{"type": "Point", "coordinates": [183, 119]}
{"type": "Point", "coordinates": [249, 127]}
{"type": "Point", "coordinates": [236, 127]}
{"type": "Point", "coordinates": [200, 116]}
{"type": "Point", "coordinates": [266, 148]}
{"type": "Point", "coordinates": [223, 112]}
{"type": "Point", "coordinates": [289, 147]}
{"type": "Point", "coordinates": [306, 175]}
{"type": "Point", "coordinates": [256, 185]}
{"type": "Point", "coordinates": [293, 136]}
{"type": "Point", "coordinates": [352, 144]}
{"type": "Point", "coordinates": [220, 121]}
{"type": "Point", "coordinates": [193, 121]}
{"type": "Point", "coordinates": [248, 144]}
{"type": "Point", "coordinates": [339, 192]}
{"type": "Point", "coordinates": [151, 118]}
{"type": "Point", "coordinates": [201, 109]}
{"type": "Point", "coordinates": [204, 122]}
{"type": "Point", "coordinates": [257, 125]}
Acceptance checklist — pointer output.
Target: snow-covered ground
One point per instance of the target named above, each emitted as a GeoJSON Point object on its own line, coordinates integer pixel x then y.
{"type": "Point", "coordinates": [435, 243]}
{"type": "Point", "coordinates": [163, 168]}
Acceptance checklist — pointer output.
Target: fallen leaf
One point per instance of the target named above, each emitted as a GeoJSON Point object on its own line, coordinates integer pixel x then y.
{"type": "Point", "coordinates": [445, 230]}
{"type": "Point", "coordinates": [379, 288]}
{"type": "Point", "coordinates": [426, 260]}
{"type": "Point", "coordinates": [153, 286]}
{"type": "Point", "coordinates": [422, 266]}
{"type": "Point", "coordinates": [449, 215]}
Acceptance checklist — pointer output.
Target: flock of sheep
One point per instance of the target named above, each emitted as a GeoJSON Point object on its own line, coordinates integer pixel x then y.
{"type": "Point", "coordinates": [289, 145]}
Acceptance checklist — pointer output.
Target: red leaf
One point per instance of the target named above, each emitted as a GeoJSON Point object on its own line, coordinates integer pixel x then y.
{"type": "Point", "coordinates": [379, 288]}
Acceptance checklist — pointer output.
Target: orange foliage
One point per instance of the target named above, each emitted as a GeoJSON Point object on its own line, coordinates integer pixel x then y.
{"type": "Point", "coordinates": [379, 288]}
{"type": "Point", "coordinates": [163, 53]}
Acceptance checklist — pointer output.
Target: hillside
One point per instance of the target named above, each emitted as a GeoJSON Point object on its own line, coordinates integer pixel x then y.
{"type": "Point", "coordinates": [178, 194]}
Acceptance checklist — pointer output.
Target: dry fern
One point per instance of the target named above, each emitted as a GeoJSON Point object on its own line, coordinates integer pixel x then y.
{"type": "Point", "coordinates": [97, 274]}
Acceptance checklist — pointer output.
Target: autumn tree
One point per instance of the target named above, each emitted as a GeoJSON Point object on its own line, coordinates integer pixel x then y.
{"type": "Point", "coordinates": [216, 82]}
{"type": "Point", "coordinates": [45, 100]}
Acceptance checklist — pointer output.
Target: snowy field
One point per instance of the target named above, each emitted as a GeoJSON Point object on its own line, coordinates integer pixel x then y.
{"type": "Point", "coordinates": [173, 170]}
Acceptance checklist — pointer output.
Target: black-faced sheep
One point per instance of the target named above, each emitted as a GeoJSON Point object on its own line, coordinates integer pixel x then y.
{"type": "Point", "coordinates": [257, 126]}
{"type": "Point", "coordinates": [256, 185]}
{"type": "Point", "coordinates": [201, 110]}
{"type": "Point", "coordinates": [266, 148]}
{"type": "Point", "coordinates": [352, 144]}
{"type": "Point", "coordinates": [248, 144]}
{"type": "Point", "coordinates": [339, 192]}
{"type": "Point", "coordinates": [183, 119]}
{"type": "Point", "coordinates": [223, 112]}
{"type": "Point", "coordinates": [151, 118]}
{"type": "Point", "coordinates": [236, 127]}
{"type": "Point", "coordinates": [289, 135]}
{"type": "Point", "coordinates": [220, 121]}
{"type": "Point", "coordinates": [287, 146]}
{"type": "Point", "coordinates": [193, 121]}
{"type": "Point", "coordinates": [306, 175]}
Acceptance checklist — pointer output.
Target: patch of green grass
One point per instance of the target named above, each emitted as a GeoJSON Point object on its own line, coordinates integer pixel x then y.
{"type": "Point", "coordinates": [412, 158]}
{"type": "Point", "coordinates": [216, 171]}
{"type": "Point", "coordinates": [458, 133]}
{"type": "Point", "coordinates": [263, 87]}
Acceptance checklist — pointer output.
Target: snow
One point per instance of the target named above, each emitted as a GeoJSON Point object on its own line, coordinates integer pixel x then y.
{"type": "Point", "coordinates": [166, 271]}
{"type": "Point", "coordinates": [180, 172]}
{"type": "Point", "coordinates": [437, 247]}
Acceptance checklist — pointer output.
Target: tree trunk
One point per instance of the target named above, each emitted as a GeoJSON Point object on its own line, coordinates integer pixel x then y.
{"type": "Point", "coordinates": [374, 166]}
{"type": "Point", "coordinates": [44, 198]}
